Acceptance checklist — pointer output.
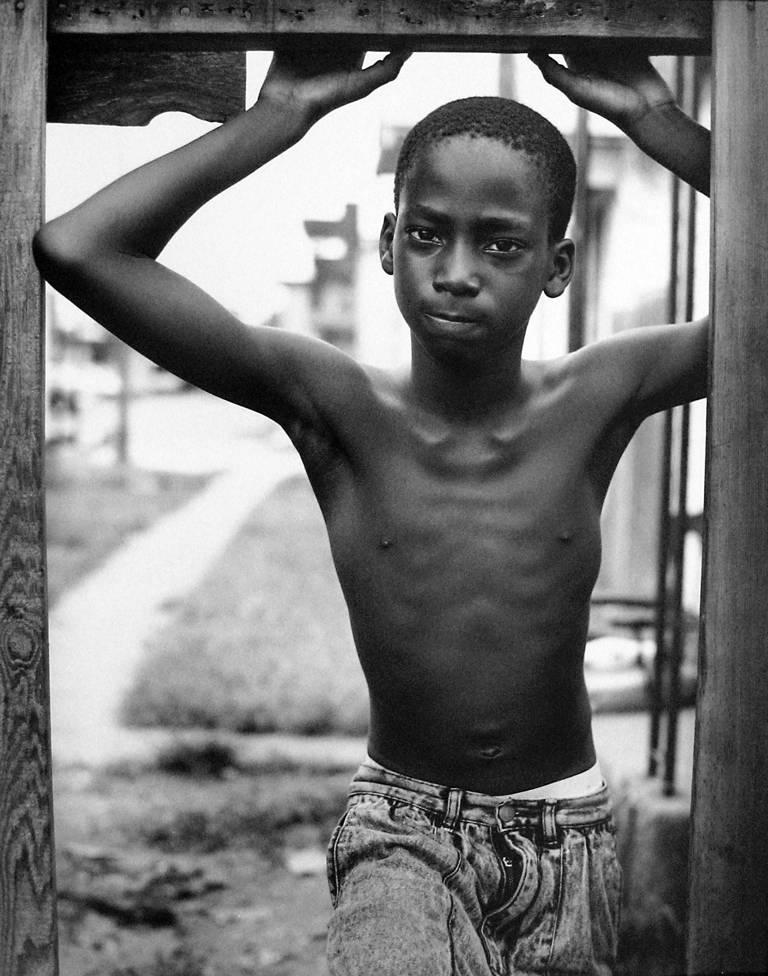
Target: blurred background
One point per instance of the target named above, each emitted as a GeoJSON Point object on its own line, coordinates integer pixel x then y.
{"type": "Point", "coordinates": [206, 696]}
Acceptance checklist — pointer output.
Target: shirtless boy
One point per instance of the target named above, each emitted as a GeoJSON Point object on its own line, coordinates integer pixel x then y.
{"type": "Point", "coordinates": [462, 500]}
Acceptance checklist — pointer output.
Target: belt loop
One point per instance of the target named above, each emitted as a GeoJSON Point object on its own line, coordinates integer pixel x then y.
{"type": "Point", "coordinates": [452, 808]}
{"type": "Point", "coordinates": [549, 824]}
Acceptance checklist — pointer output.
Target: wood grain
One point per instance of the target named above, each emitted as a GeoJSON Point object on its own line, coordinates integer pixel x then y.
{"type": "Point", "coordinates": [130, 88]}
{"type": "Point", "coordinates": [27, 894]}
{"type": "Point", "coordinates": [728, 923]}
{"type": "Point", "coordinates": [682, 26]}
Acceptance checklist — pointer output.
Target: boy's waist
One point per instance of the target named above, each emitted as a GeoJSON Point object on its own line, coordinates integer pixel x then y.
{"type": "Point", "coordinates": [452, 804]}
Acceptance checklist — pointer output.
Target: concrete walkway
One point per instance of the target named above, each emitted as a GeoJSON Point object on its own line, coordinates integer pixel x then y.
{"type": "Point", "coordinates": [99, 628]}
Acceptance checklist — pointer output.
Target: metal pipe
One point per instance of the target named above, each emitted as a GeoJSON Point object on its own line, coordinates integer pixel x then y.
{"type": "Point", "coordinates": [577, 301]}
{"type": "Point", "coordinates": [678, 618]}
{"type": "Point", "coordinates": [659, 664]}
{"type": "Point", "coordinates": [690, 105]}
{"type": "Point", "coordinates": [660, 661]}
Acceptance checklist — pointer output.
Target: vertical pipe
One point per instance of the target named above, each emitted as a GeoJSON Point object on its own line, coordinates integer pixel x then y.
{"type": "Point", "coordinates": [678, 622]}
{"type": "Point", "coordinates": [665, 501]}
{"type": "Point", "coordinates": [728, 904]}
{"type": "Point", "coordinates": [577, 293]}
{"type": "Point", "coordinates": [660, 661]}
{"type": "Point", "coordinates": [690, 104]}
{"type": "Point", "coordinates": [124, 398]}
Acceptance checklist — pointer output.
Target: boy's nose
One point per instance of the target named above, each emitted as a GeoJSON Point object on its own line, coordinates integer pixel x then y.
{"type": "Point", "coordinates": [456, 273]}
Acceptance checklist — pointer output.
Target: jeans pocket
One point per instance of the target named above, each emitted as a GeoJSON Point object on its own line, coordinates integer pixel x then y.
{"type": "Point", "coordinates": [519, 862]}
{"type": "Point", "coordinates": [333, 867]}
{"type": "Point", "coordinates": [608, 884]}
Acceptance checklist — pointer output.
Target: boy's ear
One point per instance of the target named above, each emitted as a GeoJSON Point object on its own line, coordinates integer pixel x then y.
{"type": "Point", "coordinates": [386, 238]}
{"type": "Point", "coordinates": [561, 272]}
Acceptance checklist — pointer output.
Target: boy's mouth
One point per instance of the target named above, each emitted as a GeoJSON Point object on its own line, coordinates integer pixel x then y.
{"type": "Point", "coordinates": [452, 319]}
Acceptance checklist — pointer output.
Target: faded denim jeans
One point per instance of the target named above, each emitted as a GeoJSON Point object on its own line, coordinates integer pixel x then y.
{"type": "Point", "coordinates": [432, 881]}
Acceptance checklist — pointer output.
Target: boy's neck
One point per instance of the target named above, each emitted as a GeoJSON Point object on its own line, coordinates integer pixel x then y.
{"type": "Point", "coordinates": [466, 391]}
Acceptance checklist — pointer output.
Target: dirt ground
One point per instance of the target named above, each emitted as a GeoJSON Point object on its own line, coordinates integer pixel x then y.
{"type": "Point", "coordinates": [208, 865]}
{"type": "Point", "coordinates": [167, 874]}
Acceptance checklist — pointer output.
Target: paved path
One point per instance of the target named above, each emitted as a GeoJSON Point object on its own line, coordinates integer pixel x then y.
{"type": "Point", "coordinates": [98, 629]}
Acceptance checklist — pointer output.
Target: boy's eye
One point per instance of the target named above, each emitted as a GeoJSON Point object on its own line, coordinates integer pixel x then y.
{"type": "Point", "coordinates": [423, 235]}
{"type": "Point", "coordinates": [503, 245]}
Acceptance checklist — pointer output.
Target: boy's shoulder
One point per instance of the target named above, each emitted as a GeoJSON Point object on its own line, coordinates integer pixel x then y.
{"type": "Point", "coordinates": [604, 371]}
{"type": "Point", "coordinates": [571, 371]}
{"type": "Point", "coordinates": [643, 370]}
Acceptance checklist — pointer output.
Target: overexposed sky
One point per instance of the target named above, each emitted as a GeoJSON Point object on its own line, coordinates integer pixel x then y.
{"type": "Point", "coordinates": [243, 244]}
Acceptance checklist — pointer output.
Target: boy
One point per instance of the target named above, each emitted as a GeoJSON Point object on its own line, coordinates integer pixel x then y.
{"type": "Point", "coordinates": [462, 501]}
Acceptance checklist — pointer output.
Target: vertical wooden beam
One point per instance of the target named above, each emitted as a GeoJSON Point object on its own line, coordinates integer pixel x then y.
{"type": "Point", "coordinates": [27, 892]}
{"type": "Point", "coordinates": [728, 918]}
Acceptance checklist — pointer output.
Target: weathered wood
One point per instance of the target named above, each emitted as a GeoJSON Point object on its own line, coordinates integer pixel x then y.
{"type": "Point", "coordinates": [27, 895]}
{"type": "Point", "coordinates": [131, 87]}
{"type": "Point", "coordinates": [728, 923]}
{"type": "Point", "coordinates": [681, 26]}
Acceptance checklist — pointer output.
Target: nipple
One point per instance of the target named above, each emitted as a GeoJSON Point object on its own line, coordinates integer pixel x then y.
{"type": "Point", "coordinates": [565, 536]}
{"type": "Point", "coordinates": [385, 543]}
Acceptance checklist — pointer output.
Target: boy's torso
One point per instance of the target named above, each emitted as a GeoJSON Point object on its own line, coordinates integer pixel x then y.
{"type": "Point", "coordinates": [467, 553]}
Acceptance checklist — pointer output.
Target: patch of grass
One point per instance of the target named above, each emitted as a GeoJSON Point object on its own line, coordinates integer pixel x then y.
{"type": "Point", "coordinates": [264, 643]}
{"type": "Point", "coordinates": [254, 813]}
{"type": "Point", "coordinates": [213, 759]}
{"type": "Point", "coordinates": [91, 511]}
{"type": "Point", "coordinates": [179, 962]}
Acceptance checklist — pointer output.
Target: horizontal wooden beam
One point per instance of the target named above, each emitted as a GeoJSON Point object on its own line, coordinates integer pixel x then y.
{"type": "Point", "coordinates": [113, 87]}
{"type": "Point", "coordinates": [660, 26]}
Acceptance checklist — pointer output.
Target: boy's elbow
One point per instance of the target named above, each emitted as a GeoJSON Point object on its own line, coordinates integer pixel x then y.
{"type": "Point", "coordinates": [47, 249]}
{"type": "Point", "coordinates": [55, 251]}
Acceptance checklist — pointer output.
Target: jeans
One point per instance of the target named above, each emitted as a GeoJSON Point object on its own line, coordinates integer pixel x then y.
{"type": "Point", "coordinates": [428, 880]}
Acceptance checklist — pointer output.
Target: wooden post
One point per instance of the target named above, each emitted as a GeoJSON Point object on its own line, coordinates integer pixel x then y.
{"type": "Point", "coordinates": [27, 891]}
{"type": "Point", "coordinates": [728, 918]}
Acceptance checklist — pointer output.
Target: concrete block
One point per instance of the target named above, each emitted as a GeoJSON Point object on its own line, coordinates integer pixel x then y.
{"type": "Point", "coordinates": [653, 839]}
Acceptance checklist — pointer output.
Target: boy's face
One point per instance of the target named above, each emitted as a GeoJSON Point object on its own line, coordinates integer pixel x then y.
{"type": "Point", "coordinates": [469, 248]}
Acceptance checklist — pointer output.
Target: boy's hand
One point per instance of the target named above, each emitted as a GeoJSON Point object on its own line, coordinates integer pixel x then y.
{"type": "Point", "coordinates": [625, 88]}
{"type": "Point", "coordinates": [314, 77]}
{"type": "Point", "coordinates": [620, 85]}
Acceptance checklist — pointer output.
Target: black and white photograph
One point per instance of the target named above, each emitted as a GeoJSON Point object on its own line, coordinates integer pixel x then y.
{"type": "Point", "coordinates": [383, 488]}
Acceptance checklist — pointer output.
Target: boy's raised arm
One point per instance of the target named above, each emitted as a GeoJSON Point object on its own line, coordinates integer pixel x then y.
{"type": "Point", "coordinates": [625, 88]}
{"type": "Point", "coordinates": [101, 255]}
{"type": "Point", "coordinates": [649, 369]}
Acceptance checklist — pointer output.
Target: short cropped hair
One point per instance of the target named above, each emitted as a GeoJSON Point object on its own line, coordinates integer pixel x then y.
{"type": "Point", "coordinates": [510, 123]}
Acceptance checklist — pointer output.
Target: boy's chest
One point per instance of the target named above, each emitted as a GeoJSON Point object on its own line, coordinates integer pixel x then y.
{"type": "Point", "coordinates": [478, 502]}
{"type": "Point", "coordinates": [484, 488]}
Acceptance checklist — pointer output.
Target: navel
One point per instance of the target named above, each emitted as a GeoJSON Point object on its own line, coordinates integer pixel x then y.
{"type": "Point", "coordinates": [490, 752]}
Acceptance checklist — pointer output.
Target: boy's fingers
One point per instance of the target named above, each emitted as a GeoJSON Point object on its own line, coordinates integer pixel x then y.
{"type": "Point", "coordinates": [387, 69]}
{"type": "Point", "coordinates": [389, 66]}
{"type": "Point", "coordinates": [547, 65]}
{"type": "Point", "coordinates": [555, 73]}
{"type": "Point", "coordinates": [398, 58]}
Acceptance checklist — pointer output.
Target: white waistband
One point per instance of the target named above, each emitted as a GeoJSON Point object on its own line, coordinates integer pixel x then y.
{"type": "Point", "coordinates": [582, 784]}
